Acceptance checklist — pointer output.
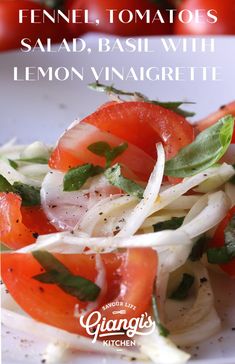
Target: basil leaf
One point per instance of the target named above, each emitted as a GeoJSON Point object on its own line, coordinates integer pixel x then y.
{"type": "Point", "coordinates": [207, 149]}
{"type": "Point", "coordinates": [75, 178]}
{"type": "Point", "coordinates": [114, 176]}
{"type": "Point", "coordinates": [80, 287]}
{"type": "Point", "coordinates": [30, 195]}
{"type": "Point", "coordinates": [225, 253]}
{"type": "Point", "coordinates": [5, 186]}
{"type": "Point", "coordinates": [57, 273]}
{"type": "Point", "coordinates": [229, 237]}
{"type": "Point", "coordinates": [199, 248]}
{"type": "Point", "coordinates": [163, 331]}
{"type": "Point", "coordinates": [171, 224]}
{"type": "Point", "coordinates": [37, 160]}
{"type": "Point", "coordinates": [4, 248]}
{"type": "Point", "coordinates": [182, 290]}
{"type": "Point", "coordinates": [114, 153]}
{"type": "Point", "coordinates": [49, 262]}
{"type": "Point", "coordinates": [13, 164]}
{"type": "Point", "coordinates": [99, 148]}
{"type": "Point", "coordinates": [174, 106]}
{"type": "Point", "coordinates": [218, 255]}
{"type": "Point", "coordinates": [105, 150]}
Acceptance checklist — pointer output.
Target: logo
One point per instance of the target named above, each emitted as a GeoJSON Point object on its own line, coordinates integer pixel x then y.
{"type": "Point", "coordinates": [116, 324]}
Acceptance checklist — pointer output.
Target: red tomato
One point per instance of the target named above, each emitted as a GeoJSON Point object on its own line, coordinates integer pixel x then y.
{"type": "Point", "coordinates": [137, 275]}
{"type": "Point", "coordinates": [97, 10]}
{"type": "Point", "coordinates": [129, 276]}
{"type": "Point", "coordinates": [218, 241]}
{"type": "Point", "coordinates": [144, 124]}
{"type": "Point", "coordinates": [11, 31]}
{"type": "Point", "coordinates": [224, 10]}
{"type": "Point", "coordinates": [214, 117]}
{"type": "Point", "coordinates": [72, 150]}
{"type": "Point", "coordinates": [20, 225]}
{"type": "Point", "coordinates": [46, 302]}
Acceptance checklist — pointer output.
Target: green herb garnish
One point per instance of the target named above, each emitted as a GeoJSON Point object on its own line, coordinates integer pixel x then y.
{"type": "Point", "coordinates": [163, 331]}
{"type": "Point", "coordinates": [182, 290]}
{"type": "Point", "coordinates": [114, 176]}
{"type": "Point", "coordinates": [207, 149]}
{"type": "Point", "coordinates": [171, 224]}
{"type": "Point", "coordinates": [13, 164]}
{"type": "Point", "coordinates": [30, 195]}
{"type": "Point", "coordinates": [174, 106]}
{"type": "Point", "coordinates": [199, 248]}
{"type": "Point", "coordinates": [105, 150]}
{"type": "Point", "coordinates": [225, 253]}
{"type": "Point", "coordinates": [57, 273]}
{"type": "Point", "coordinates": [5, 186]}
{"type": "Point", "coordinates": [36, 160]}
{"type": "Point", "coordinates": [75, 178]}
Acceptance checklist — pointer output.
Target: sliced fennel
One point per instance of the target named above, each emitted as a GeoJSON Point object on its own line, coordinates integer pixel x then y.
{"type": "Point", "coordinates": [142, 210]}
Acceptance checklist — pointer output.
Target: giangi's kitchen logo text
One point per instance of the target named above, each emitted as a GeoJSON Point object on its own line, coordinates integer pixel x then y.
{"type": "Point", "coordinates": [115, 325]}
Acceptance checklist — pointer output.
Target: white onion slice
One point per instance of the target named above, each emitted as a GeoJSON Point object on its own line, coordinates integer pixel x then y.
{"type": "Point", "coordinates": [11, 149]}
{"type": "Point", "coordinates": [206, 213]}
{"type": "Point", "coordinates": [161, 350]}
{"type": "Point", "coordinates": [230, 192]}
{"type": "Point", "coordinates": [65, 209]}
{"type": "Point", "coordinates": [201, 318]}
{"type": "Point", "coordinates": [209, 326]}
{"type": "Point", "coordinates": [142, 210]}
{"type": "Point", "coordinates": [212, 183]}
{"type": "Point", "coordinates": [26, 324]}
{"type": "Point", "coordinates": [173, 193]}
{"type": "Point", "coordinates": [12, 175]}
{"type": "Point", "coordinates": [107, 216]}
{"type": "Point", "coordinates": [69, 243]}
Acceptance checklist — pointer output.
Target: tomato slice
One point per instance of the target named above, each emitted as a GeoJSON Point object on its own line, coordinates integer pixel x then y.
{"type": "Point", "coordinates": [72, 151]}
{"type": "Point", "coordinates": [144, 124]}
{"type": "Point", "coordinates": [20, 225]}
{"type": "Point", "coordinates": [218, 241]}
{"type": "Point", "coordinates": [129, 278]}
{"type": "Point", "coordinates": [47, 302]}
{"type": "Point", "coordinates": [137, 274]}
{"type": "Point", "coordinates": [214, 117]}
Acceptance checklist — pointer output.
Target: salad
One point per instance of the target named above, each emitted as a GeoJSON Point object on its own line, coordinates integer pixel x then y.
{"type": "Point", "coordinates": [110, 233]}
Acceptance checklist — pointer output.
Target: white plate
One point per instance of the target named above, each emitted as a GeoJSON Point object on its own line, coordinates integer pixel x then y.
{"type": "Point", "coordinates": [42, 110]}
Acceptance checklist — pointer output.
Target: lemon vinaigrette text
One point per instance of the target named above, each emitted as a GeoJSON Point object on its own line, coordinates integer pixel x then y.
{"type": "Point", "coordinates": [154, 73]}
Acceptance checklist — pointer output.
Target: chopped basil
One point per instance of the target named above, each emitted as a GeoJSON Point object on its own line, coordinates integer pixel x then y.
{"type": "Point", "coordinates": [57, 273]}
{"type": "Point", "coordinates": [13, 164]}
{"type": "Point", "coordinates": [174, 106]}
{"type": "Point", "coordinates": [163, 331]}
{"type": "Point", "coordinates": [114, 176]}
{"type": "Point", "coordinates": [30, 195]}
{"type": "Point", "coordinates": [171, 224]}
{"type": "Point", "coordinates": [225, 253]}
{"type": "Point", "coordinates": [207, 149]}
{"type": "Point", "coordinates": [5, 186]}
{"type": "Point", "coordinates": [182, 290]}
{"type": "Point", "coordinates": [199, 248]}
{"type": "Point", "coordinates": [75, 178]}
{"type": "Point", "coordinates": [105, 150]}
{"type": "Point", "coordinates": [4, 248]}
{"type": "Point", "coordinates": [218, 255]}
{"type": "Point", "coordinates": [36, 160]}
